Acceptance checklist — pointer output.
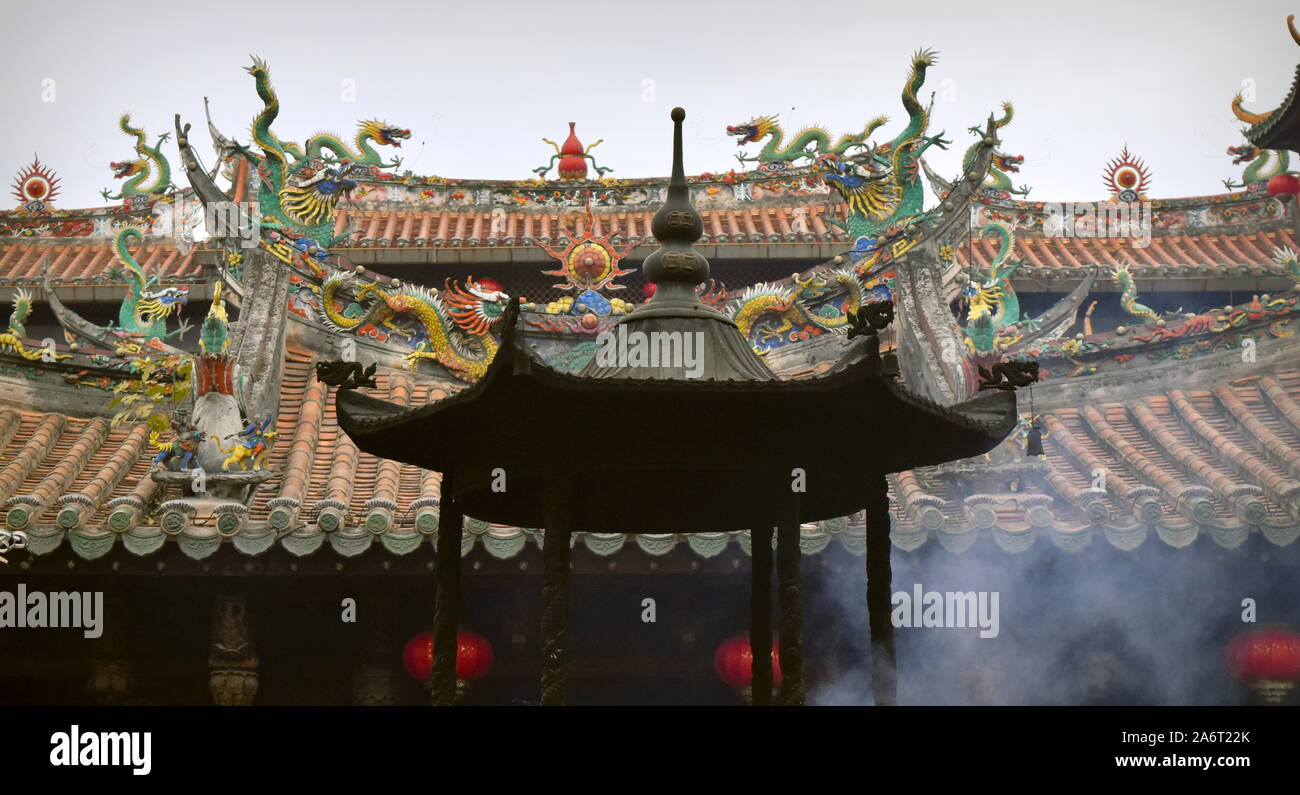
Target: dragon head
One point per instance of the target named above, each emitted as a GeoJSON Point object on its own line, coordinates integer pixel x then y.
{"type": "Point", "coordinates": [170, 298]}
{"type": "Point", "coordinates": [1008, 163]}
{"type": "Point", "coordinates": [312, 189]}
{"type": "Point", "coordinates": [752, 130]}
{"type": "Point", "coordinates": [384, 133]}
{"type": "Point", "coordinates": [476, 306]}
{"type": "Point", "coordinates": [128, 168]}
{"type": "Point", "coordinates": [1243, 154]}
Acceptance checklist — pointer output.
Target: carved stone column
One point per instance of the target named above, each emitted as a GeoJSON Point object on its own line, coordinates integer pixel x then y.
{"type": "Point", "coordinates": [232, 658]}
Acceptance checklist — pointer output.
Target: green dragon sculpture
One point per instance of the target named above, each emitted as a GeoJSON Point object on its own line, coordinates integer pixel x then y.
{"type": "Point", "coordinates": [371, 130]}
{"type": "Point", "coordinates": [817, 137]}
{"type": "Point", "coordinates": [1263, 165]}
{"type": "Point", "coordinates": [991, 288]}
{"type": "Point", "coordinates": [146, 307]}
{"type": "Point", "coordinates": [11, 341]}
{"type": "Point", "coordinates": [997, 182]}
{"type": "Point", "coordinates": [883, 188]}
{"type": "Point", "coordinates": [1128, 296]}
{"type": "Point", "coordinates": [456, 323]}
{"type": "Point", "coordinates": [150, 173]}
{"type": "Point", "coordinates": [297, 199]}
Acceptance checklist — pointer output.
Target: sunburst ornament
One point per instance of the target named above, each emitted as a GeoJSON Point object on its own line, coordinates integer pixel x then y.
{"type": "Point", "coordinates": [1127, 177]}
{"type": "Point", "coordinates": [589, 262]}
{"type": "Point", "coordinates": [35, 187]}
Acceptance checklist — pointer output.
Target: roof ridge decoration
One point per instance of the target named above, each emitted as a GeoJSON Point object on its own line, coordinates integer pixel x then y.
{"type": "Point", "coordinates": [882, 187]}
{"type": "Point", "coordinates": [298, 187]}
{"type": "Point", "coordinates": [35, 188]}
{"type": "Point", "coordinates": [1127, 178]}
{"type": "Point", "coordinates": [812, 142]}
{"type": "Point", "coordinates": [573, 157]}
{"type": "Point", "coordinates": [143, 313]}
{"type": "Point", "coordinates": [997, 186]}
{"type": "Point", "coordinates": [149, 173]}
{"type": "Point", "coordinates": [13, 339]}
{"type": "Point", "coordinates": [589, 264]}
{"type": "Point", "coordinates": [452, 327]}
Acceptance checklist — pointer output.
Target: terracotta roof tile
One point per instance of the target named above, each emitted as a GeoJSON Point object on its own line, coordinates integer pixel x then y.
{"type": "Point", "coordinates": [22, 261]}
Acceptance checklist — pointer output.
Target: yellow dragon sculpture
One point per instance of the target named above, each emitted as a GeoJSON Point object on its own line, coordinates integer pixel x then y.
{"type": "Point", "coordinates": [790, 305]}
{"type": "Point", "coordinates": [11, 340]}
{"type": "Point", "coordinates": [456, 322]}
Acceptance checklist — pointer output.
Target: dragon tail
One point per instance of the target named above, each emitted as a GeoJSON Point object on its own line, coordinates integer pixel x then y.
{"type": "Point", "coordinates": [1244, 115]}
{"type": "Point", "coordinates": [1008, 113]}
{"type": "Point", "coordinates": [124, 124]}
{"type": "Point", "coordinates": [921, 60]}
{"type": "Point", "coordinates": [270, 110]}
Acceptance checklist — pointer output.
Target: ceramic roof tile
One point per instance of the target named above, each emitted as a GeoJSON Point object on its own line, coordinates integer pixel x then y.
{"type": "Point", "coordinates": [22, 261]}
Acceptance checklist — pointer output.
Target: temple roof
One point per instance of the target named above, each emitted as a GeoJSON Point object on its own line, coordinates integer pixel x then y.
{"type": "Point", "coordinates": [1178, 254]}
{"type": "Point", "coordinates": [88, 262]}
{"type": "Point", "coordinates": [1219, 460]}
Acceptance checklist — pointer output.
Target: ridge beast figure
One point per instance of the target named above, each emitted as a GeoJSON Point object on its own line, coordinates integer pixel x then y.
{"type": "Point", "coordinates": [180, 452]}
{"type": "Point", "coordinates": [254, 445]}
{"type": "Point", "coordinates": [1008, 375]}
{"type": "Point", "coordinates": [345, 375]}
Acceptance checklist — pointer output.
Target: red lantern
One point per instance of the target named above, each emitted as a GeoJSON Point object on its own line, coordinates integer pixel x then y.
{"type": "Point", "coordinates": [1267, 660]}
{"type": "Point", "coordinates": [734, 663]}
{"type": "Point", "coordinates": [473, 656]}
{"type": "Point", "coordinates": [1284, 185]}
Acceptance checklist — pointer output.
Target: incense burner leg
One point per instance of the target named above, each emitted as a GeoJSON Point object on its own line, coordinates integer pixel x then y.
{"type": "Point", "coordinates": [760, 619]}
{"type": "Point", "coordinates": [555, 592]}
{"type": "Point", "coordinates": [790, 629]}
{"type": "Point", "coordinates": [884, 676]}
{"type": "Point", "coordinates": [446, 610]}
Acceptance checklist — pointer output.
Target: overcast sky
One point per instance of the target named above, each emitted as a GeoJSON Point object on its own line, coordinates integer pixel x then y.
{"type": "Point", "coordinates": [480, 83]}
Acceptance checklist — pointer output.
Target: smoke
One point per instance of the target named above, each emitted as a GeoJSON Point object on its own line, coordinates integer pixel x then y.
{"type": "Point", "coordinates": [1098, 626]}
